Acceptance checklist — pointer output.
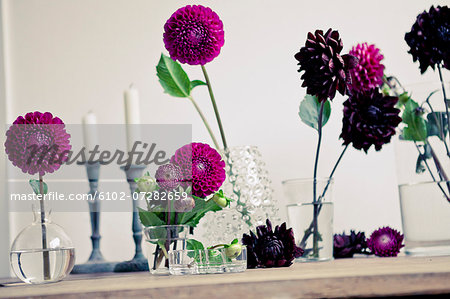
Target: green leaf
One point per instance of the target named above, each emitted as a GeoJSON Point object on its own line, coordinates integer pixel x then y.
{"type": "Point", "coordinates": [173, 78]}
{"type": "Point", "coordinates": [403, 99]}
{"type": "Point", "coordinates": [235, 241]}
{"type": "Point", "coordinates": [202, 207]}
{"type": "Point", "coordinates": [35, 185]}
{"type": "Point", "coordinates": [416, 125]}
{"type": "Point", "coordinates": [437, 121]}
{"type": "Point", "coordinates": [149, 218]}
{"type": "Point", "coordinates": [309, 111]}
{"type": "Point", "coordinates": [192, 244]}
{"type": "Point", "coordinates": [196, 83]}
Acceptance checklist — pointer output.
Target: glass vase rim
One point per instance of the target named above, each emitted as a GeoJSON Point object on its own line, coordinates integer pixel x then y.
{"type": "Point", "coordinates": [167, 226]}
{"type": "Point", "coordinates": [304, 180]}
{"type": "Point", "coordinates": [310, 203]}
{"type": "Point", "coordinates": [205, 249]}
{"type": "Point", "coordinates": [422, 183]}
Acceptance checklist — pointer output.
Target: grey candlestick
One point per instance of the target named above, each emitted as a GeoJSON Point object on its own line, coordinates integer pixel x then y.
{"type": "Point", "coordinates": [139, 262]}
{"type": "Point", "coordinates": [96, 263]}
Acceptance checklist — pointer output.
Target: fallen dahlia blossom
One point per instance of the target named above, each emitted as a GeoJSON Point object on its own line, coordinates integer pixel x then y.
{"type": "Point", "coordinates": [368, 73]}
{"type": "Point", "coordinates": [270, 248]}
{"type": "Point", "coordinates": [194, 35]}
{"type": "Point", "coordinates": [37, 143]}
{"type": "Point", "coordinates": [168, 176]}
{"type": "Point", "coordinates": [202, 166]}
{"type": "Point", "coordinates": [325, 70]}
{"type": "Point", "coordinates": [370, 118]}
{"type": "Point", "coordinates": [345, 246]}
{"type": "Point", "coordinates": [385, 242]}
{"type": "Point", "coordinates": [429, 38]}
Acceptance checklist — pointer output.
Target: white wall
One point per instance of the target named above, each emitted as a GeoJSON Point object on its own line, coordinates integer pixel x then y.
{"type": "Point", "coordinates": [68, 57]}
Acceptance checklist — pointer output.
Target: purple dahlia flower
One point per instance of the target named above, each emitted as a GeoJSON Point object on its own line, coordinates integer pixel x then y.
{"type": "Point", "coordinates": [370, 118]}
{"type": "Point", "coordinates": [385, 242]}
{"type": "Point", "coordinates": [270, 248]}
{"type": "Point", "coordinates": [194, 35]}
{"type": "Point", "coordinates": [368, 73]}
{"type": "Point", "coordinates": [429, 38]}
{"type": "Point", "coordinates": [168, 176]}
{"type": "Point", "coordinates": [345, 246]}
{"type": "Point", "coordinates": [37, 143]}
{"type": "Point", "coordinates": [201, 165]}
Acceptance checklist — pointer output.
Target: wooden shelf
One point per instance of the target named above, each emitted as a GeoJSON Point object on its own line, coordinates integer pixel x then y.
{"type": "Point", "coordinates": [363, 277]}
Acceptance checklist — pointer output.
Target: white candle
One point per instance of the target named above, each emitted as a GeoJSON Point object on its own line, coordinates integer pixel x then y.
{"type": "Point", "coordinates": [90, 131]}
{"type": "Point", "coordinates": [132, 116]}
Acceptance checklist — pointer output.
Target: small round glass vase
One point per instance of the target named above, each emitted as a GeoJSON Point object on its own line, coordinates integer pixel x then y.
{"type": "Point", "coordinates": [42, 252]}
{"type": "Point", "coordinates": [164, 238]}
{"type": "Point", "coordinates": [312, 221]}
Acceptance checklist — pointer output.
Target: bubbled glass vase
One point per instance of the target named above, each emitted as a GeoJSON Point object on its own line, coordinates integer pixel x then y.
{"type": "Point", "coordinates": [249, 186]}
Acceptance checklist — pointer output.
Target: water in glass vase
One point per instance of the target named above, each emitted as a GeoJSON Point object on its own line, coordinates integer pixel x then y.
{"type": "Point", "coordinates": [28, 264]}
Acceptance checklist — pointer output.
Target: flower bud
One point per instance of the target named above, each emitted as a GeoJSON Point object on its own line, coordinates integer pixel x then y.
{"type": "Point", "coordinates": [220, 200]}
{"type": "Point", "coordinates": [233, 250]}
{"type": "Point", "coordinates": [146, 184]}
{"type": "Point", "coordinates": [184, 204]}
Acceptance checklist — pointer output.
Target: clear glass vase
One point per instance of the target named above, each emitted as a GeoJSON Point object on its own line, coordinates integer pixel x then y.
{"type": "Point", "coordinates": [42, 252]}
{"type": "Point", "coordinates": [249, 185]}
{"type": "Point", "coordinates": [425, 215]}
{"type": "Point", "coordinates": [164, 238]}
{"type": "Point", "coordinates": [311, 221]}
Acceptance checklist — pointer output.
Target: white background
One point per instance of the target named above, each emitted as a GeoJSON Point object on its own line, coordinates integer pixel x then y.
{"type": "Point", "coordinates": [69, 57]}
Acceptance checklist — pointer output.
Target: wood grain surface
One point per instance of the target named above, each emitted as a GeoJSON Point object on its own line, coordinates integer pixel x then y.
{"type": "Point", "coordinates": [357, 277]}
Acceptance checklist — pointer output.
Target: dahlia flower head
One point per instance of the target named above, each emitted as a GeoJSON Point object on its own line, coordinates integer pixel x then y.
{"type": "Point", "coordinates": [37, 143]}
{"type": "Point", "coordinates": [385, 242]}
{"type": "Point", "coordinates": [429, 38]}
{"type": "Point", "coordinates": [325, 70]}
{"type": "Point", "coordinates": [345, 246]}
{"type": "Point", "coordinates": [169, 176]}
{"type": "Point", "coordinates": [202, 166]}
{"type": "Point", "coordinates": [369, 72]}
{"type": "Point", "coordinates": [271, 248]}
{"type": "Point", "coordinates": [194, 35]}
{"type": "Point", "coordinates": [370, 118]}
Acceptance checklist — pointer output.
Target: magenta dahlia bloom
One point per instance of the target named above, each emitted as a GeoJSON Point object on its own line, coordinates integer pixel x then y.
{"type": "Point", "coordinates": [203, 166]}
{"type": "Point", "coordinates": [169, 176]}
{"type": "Point", "coordinates": [385, 242]}
{"type": "Point", "coordinates": [194, 35]}
{"type": "Point", "coordinates": [368, 73]}
{"type": "Point", "coordinates": [37, 143]}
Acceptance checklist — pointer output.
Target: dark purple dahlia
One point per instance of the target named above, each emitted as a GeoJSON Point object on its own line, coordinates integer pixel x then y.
{"type": "Point", "coordinates": [202, 166]}
{"type": "Point", "coordinates": [370, 118]}
{"type": "Point", "coordinates": [429, 38]}
{"type": "Point", "coordinates": [169, 176]}
{"type": "Point", "coordinates": [271, 248]}
{"type": "Point", "coordinates": [194, 35]}
{"type": "Point", "coordinates": [385, 242]}
{"type": "Point", "coordinates": [325, 70]}
{"type": "Point", "coordinates": [37, 143]}
{"type": "Point", "coordinates": [368, 73]}
{"type": "Point", "coordinates": [346, 246]}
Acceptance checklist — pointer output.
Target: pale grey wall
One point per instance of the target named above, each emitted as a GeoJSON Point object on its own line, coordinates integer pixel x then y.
{"type": "Point", "coordinates": [4, 219]}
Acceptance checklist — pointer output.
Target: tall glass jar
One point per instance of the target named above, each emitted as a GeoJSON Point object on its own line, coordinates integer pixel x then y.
{"type": "Point", "coordinates": [42, 252]}
{"type": "Point", "coordinates": [311, 220]}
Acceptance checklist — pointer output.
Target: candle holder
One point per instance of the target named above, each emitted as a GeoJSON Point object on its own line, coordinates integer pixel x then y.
{"type": "Point", "coordinates": [96, 263]}
{"type": "Point", "coordinates": [139, 262]}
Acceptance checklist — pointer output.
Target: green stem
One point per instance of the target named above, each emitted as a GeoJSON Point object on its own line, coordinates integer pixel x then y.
{"type": "Point", "coordinates": [315, 203]}
{"type": "Point", "coordinates": [45, 253]}
{"type": "Point", "coordinates": [216, 111]}
{"type": "Point", "coordinates": [445, 96]}
{"type": "Point", "coordinates": [205, 122]}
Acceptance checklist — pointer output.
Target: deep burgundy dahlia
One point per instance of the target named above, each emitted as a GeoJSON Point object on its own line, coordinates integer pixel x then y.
{"type": "Point", "coordinates": [194, 35]}
{"type": "Point", "coordinates": [346, 246]}
{"type": "Point", "coordinates": [325, 70]}
{"type": "Point", "coordinates": [429, 38]}
{"type": "Point", "coordinates": [270, 248]}
{"type": "Point", "coordinates": [169, 176]}
{"type": "Point", "coordinates": [385, 242]}
{"type": "Point", "coordinates": [201, 165]}
{"type": "Point", "coordinates": [368, 73]}
{"type": "Point", "coordinates": [37, 143]}
{"type": "Point", "coordinates": [370, 118]}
